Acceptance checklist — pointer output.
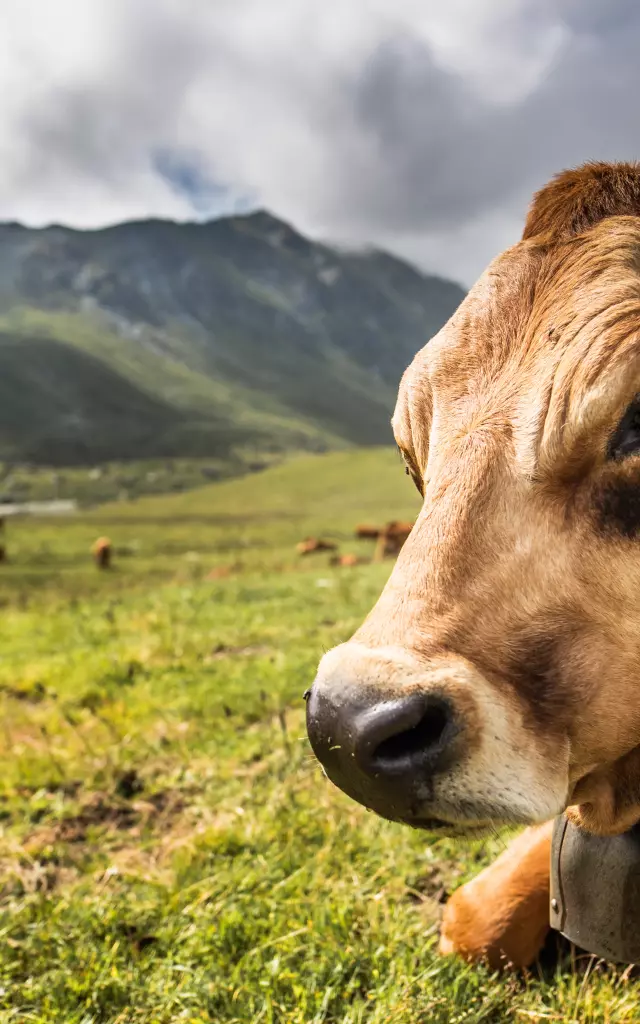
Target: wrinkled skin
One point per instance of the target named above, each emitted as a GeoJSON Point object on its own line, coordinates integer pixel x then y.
{"type": "Point", "coordinates": [506, 642]}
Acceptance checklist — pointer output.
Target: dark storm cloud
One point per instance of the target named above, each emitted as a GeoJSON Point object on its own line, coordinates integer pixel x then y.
{"type": "Point", "coordinates": [96, 127]}
{"type": "Point", "coordinates": [439, 154]}
{"type": "Point", "coordinates": [411, 124]}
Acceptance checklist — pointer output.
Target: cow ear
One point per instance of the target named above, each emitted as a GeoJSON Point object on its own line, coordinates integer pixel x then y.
{"type": "Point", "coordinates": [576, 200]}
{"type": "Point", "coordinates": [610, 798]}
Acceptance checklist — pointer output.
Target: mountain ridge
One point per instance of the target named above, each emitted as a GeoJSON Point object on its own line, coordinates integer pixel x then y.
{"type": "Point", "coordinates": [241, 334]}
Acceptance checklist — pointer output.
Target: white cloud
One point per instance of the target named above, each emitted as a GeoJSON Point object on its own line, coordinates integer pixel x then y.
{"type": "Point", "coordinates": [415, 124]}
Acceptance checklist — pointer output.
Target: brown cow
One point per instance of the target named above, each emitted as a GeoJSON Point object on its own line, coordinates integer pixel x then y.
{"type": "Point", "coordinates": [391, 539]}
{"type": "Point", "coordinates": [346, 561]}
{"type": "Point", "coordinates": [365, 532]}
{"type": "Point", "coordinates": [101, 551]}
{"type": "Point", "coordinates": [311, 545]}
{"type": "Point", "coordinates": [496, 678]}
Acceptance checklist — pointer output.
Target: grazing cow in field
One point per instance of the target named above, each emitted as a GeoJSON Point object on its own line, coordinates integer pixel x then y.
{"type": "Point", "coordinates": [102, 551]}
{"type": "Point", "coordinates": [391, 540]}
{"type": "Point", "coordinates": [389, 537]}
{"type": "Point", "coordinates": [346, 561]}
{"type": "Point", "coordinates": [496, 679]}
{"type": "Point", "coordinates": [311, 545]}
{"type": "Point", "coordinates": [365, 532]}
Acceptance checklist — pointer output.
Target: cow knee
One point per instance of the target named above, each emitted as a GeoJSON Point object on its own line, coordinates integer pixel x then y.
{"type": "Point", "coordinates": [502, 916]}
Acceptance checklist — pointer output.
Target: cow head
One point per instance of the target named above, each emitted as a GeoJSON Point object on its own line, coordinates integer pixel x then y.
{"type": "Point", "coordinates": [498, 676]}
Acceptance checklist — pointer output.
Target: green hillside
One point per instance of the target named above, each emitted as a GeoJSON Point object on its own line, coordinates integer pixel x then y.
{"type": "Point", "coordinates": [223, 339]}
{"type": "Point", "coordinates": [71, 393]}
{"type": "Point", "coordinates": [331, 490]}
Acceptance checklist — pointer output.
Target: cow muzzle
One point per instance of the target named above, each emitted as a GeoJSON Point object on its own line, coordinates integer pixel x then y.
{"type": "Point", "coordinates": [381, 733]}
{"type": "Point", "coordinates": [427, 743]}
{"type": "Point", "coordinates": [383, 753]}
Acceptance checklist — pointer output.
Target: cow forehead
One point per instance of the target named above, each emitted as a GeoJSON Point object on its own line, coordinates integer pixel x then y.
{"type": "Point", "coordinates": [482, 332]}
{"type": "Point", "coordinates": [542, 326]}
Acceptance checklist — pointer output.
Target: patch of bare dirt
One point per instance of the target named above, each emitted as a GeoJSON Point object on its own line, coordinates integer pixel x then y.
{"type": "Point", "coordinates": [429, 886]}
{"type": "Point", "coordinates": [54, 853]}
{"type": "Point", "coordinates": [26, 876]}
{"type": "Point", "coordinates": [105, 810]}
{"type": "Point", "coordinates": [69, 787]}
{"type": "Point", "coordinates": [222, 651]}
{"type": "Point", "coordinates": [34, 694]}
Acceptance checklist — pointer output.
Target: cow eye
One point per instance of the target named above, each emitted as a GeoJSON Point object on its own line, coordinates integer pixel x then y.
{"type": "Point", "coordinates": [626, 439]}
{"type": "Point", "coordinates": [410, 471]}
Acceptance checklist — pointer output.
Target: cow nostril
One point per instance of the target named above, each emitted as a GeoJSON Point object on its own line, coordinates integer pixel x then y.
{"type": "Point", "coordinates": [421, 740]}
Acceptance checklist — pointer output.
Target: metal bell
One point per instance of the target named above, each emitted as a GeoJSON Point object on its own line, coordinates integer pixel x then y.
{"type": "Point", "coordinates": [595, 891]}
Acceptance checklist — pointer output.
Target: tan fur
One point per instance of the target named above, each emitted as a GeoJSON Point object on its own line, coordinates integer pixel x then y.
{"type": "Point", "coordinates": [576, 200]}
{"type": "Point", "coordinates": [513, 576]}
{"type": "Point", "coordinates": [502, 916]}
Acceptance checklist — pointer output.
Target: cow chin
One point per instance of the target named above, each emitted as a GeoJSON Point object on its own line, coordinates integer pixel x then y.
{"type": "Point", "coordinates": [432, 745]}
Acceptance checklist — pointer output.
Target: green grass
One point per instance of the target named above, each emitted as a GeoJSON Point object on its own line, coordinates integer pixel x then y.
{"type": "Point", "coordinates": [169, 850]}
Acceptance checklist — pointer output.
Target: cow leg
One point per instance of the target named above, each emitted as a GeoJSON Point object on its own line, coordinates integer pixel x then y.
{"type": "Point", "coordinates": [381, 547]}
{"type": "Point", "coordinates": [502, 916]}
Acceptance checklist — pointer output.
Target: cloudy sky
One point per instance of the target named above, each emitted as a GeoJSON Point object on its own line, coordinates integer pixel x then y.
{"type": "Point", "coordinates": [418, 125]}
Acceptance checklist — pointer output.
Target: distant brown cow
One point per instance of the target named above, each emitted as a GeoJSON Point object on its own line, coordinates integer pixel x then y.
{"type": "Point", "coordinates": [346, 561]}
{"type": "Point", "coordinates": [102, 551]}
{"type": "Point", "coordinates": [391, 540]}
{"type": "Point", "coordinates": [366, 532]}
{"type": "Point", "coordinates": [310, 545]}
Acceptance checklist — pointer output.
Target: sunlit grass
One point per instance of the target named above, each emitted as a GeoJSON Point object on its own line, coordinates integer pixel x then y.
{"type": "Point", "coordinates": [169, 850]}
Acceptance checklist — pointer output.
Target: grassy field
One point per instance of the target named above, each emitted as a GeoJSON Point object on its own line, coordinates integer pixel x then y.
{"type": "Point", "coordinates": [169, 850]}
{"type": "Point", "coordinates": [124, 481]}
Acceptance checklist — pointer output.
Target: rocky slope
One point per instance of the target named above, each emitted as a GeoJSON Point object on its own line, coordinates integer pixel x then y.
{"type": "Point", "coordinates": [154, 339]}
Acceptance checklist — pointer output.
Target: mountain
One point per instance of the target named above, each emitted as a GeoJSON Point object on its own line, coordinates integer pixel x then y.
{"type": "Point", "coordinates": [158, 339]}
